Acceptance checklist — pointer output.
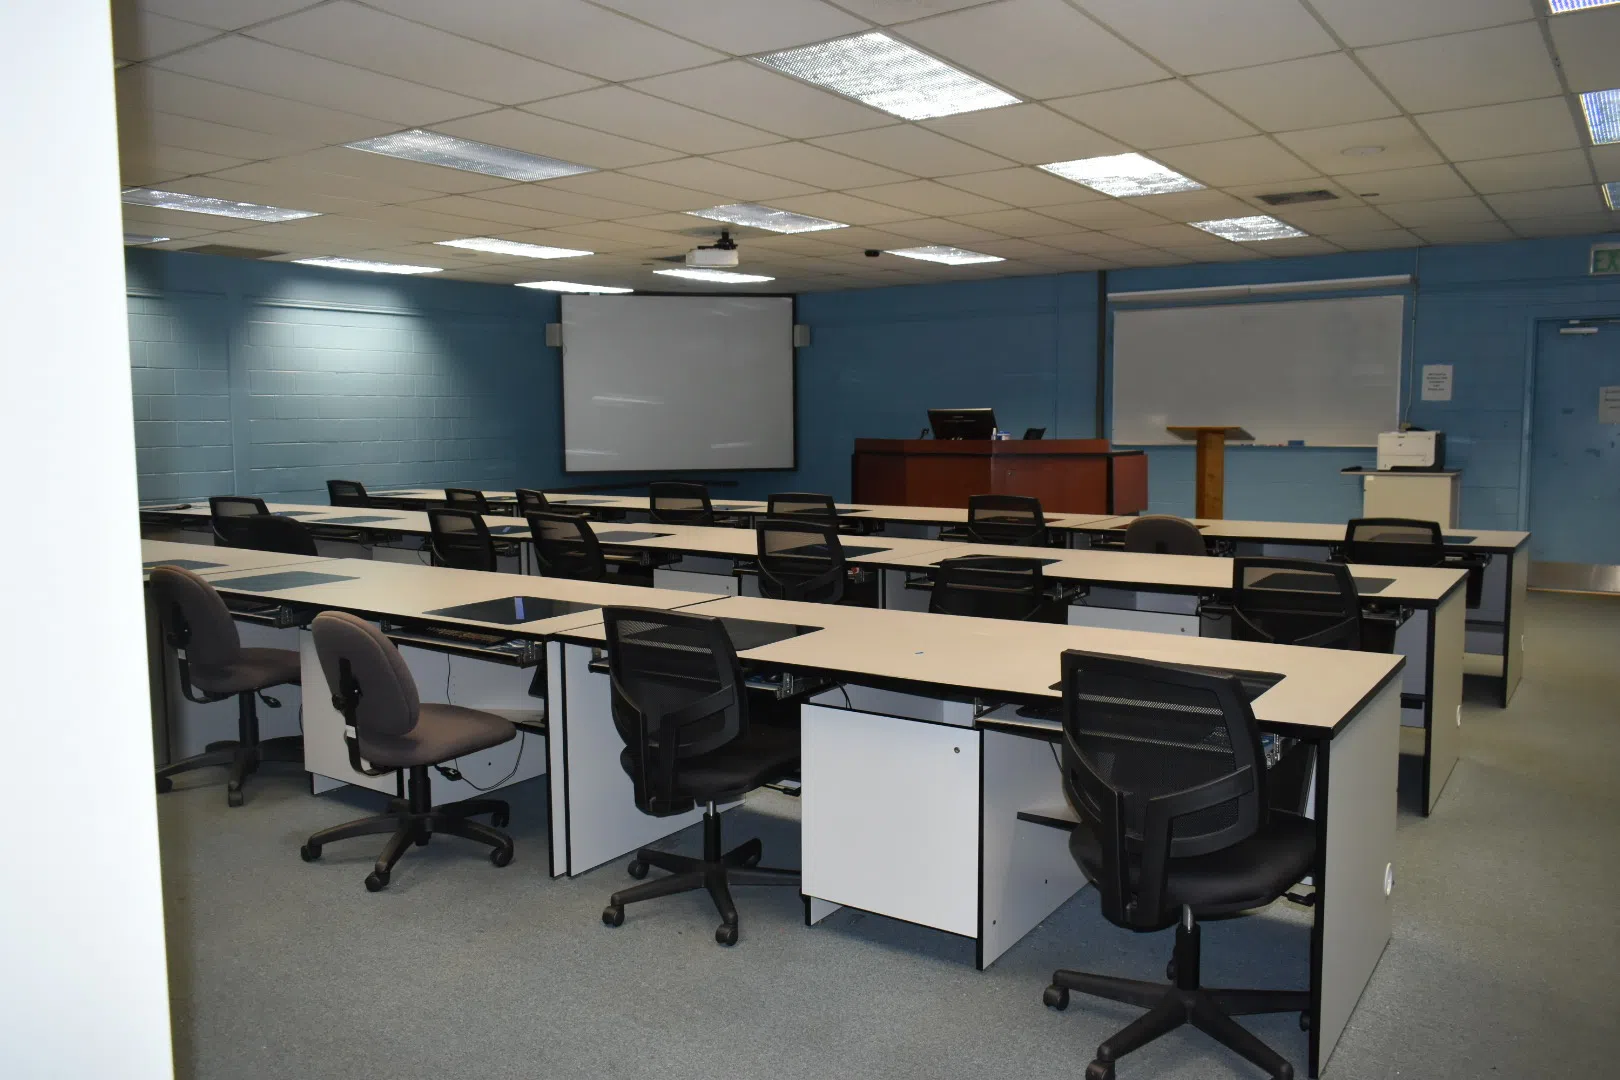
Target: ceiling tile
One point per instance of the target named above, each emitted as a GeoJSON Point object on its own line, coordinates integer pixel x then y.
{"type": "Point", "coordinates": [1527, 172]}
{"type": "Point", "coordinates": [1316, 91]}
{"type": "Point", "coordinates": [1466, 233]}
{"type": "Point", "coordinates": [929, 197]}
{"type": "Point", "coordinates": [1378, 240]}
{"type": "Point", "coordinates": [1587, 43]}
{"type": "Point", "coordinates": [1407, 185]}
{"type": "Point", "coordinates": [1207, 205]}
{"type": "Point", "coordinates": [1344, 219]}
{"type": "Point", "coordinates": [1103, 214]}
{"type": "Point", "coordinates": [1091, 243]}
{"type": "Point", "coordinates": [732, 181]}
{"type": "Point", "coordinates": [161, 129]}
{"type": "Point", "coordinates": [1032, 134]}
{"type": "Point", "coordinates": [1607, 161]}
{"type": "Point", "coordinates": [1523, 127]}
{"type": "Point", "coordinates": [1015, 223]}
{"type": "Point", "coordinates": [811, 165]}
{"type": "Point", "coordinates": [1481, 67]}
{"type": "Point", "coordinates": [635, 115]}
{"type": "Point", "coordinates": [1035, 48]}
{"type": "Point", "coordinates": [1246, 32]}
{"type": "Point", "coordinates": [143, 34]}
{"type": "Point", "coordinates": [634, 190]}
{"type": "Point", "coordinates": [388, 172]}
{"type": "Point", "coordinates": [944, 231]}
{"type": "Point", "coordinates": [569, 33]}
{"type": "Point", "coordinates": [1167, 113]}
{"type": "Point", "coordinates": [270, 69]}
{"type": "Point", "coordinates": [1376, 22]}
{"type": "Point", "coordinates": [1293, 246]}
{"type": "Point", "coordinates": [295, 174]}
{"type": "Point", "coordinates": [504, 213]}
{"type": "Point", "coordinates": [913, 150]}
{"type": "Point", "coordinates": [1551, 202]}
{"type": "Point", "coordinates": [1162, 235]}
{"type": "Point", "coordinates": [414, 216]}
{"type": "Point", "coordinates": [1439, 212]}
{"type": "Point", "coordinates": [1255, 160]}
{"type": "Point", "coordinates": [1565, 224]}
{"type": "Point", "coordinates": [224, 14]}
{"type": "Point", "coordinates": [1023, 187]}
{"type": "Point", "coordinates": [1250, 193]}
{"type": "Point", "coordinates": [147, 88]}
{"type": "Point", "coordinates": [1017, 249]}
{"type": "Point", "coordinates": [168, 160]}
{"type": "Point", "coordinates": [1403, 146]}
{"type": "Point", "coordinates": [765, 99]}
{"type": "Point", "coordinates": [888, 12]}
{"type": "Point", "coordinates": [545, 197]}
{"type": "Point", "coordinates": [741, 26]}
{"type": "Point", "coordinates": [1217, 251]}
{"type": "Point", "coordinates": [838, 206]}
{"type": "Point", "coordinates": [542, 135]}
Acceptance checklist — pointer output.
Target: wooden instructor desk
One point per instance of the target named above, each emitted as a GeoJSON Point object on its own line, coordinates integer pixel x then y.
{"type": "Point", "coordinates": [1069, 476]}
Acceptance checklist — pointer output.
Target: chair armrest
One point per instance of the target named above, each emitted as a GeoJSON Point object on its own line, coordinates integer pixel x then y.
{"type": "Point", "coordinates": [1159, 817]}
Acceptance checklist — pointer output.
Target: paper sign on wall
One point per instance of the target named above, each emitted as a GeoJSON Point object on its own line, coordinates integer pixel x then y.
{"type": "Point", "coordinates": [1609, 404]}
{"type": "Point", "coordinates": [1436, 382]}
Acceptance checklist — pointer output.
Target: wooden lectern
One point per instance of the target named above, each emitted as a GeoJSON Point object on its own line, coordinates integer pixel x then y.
{"type": "Point", "coordinates": [1210, 500]}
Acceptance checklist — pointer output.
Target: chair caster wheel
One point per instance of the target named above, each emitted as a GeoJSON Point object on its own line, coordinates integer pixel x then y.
{"type": "Point", "coordinates": [1055, 997]}
{"type": "Point", "coordinates": [1304, 1021]}
{"type": "Point", "coordinates": [613, 915]}
{"type": "Point", "coordinates": [309, 852]}
{"type": "Point", "coordinates": [1100, 1070]}
{"type": "Point", "coordinates": [500, 819]}
{"type": "Point", "coordinates": [422, 839]}
{"type": "Point", "coordinates": [501, 856]}
{"type": "Point", "coordinates": [164, 785]}
{"type": "Point", "coordinates": [726, 934]}
{"type": "Point", "coordinates": [376, 881]}
{"type": "Point", "coordinates": [637, 869]}
{"type": "Point", "coordinates": [233, 797]}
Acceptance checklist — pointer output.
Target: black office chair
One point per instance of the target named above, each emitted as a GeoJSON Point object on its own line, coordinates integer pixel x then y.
{"type": "Point", "coordinates": [466, 499]}
{"type": "Point", "coordinates": [1162, 534]}
{"type": "Point", "coordinates": [226, 514]}
{"type": "Point", "coordinates": [802, 504]}
{"type": "Point", "coordinates": [1163, 766]}
{"type": "Point", "coordinates": [1295, 602]}
{"type": "Point", "coordinates": [388, 729]}
{"type": "Point", "coordinates": [459, 538]}
{"type": "Point", "coordinates": [213, 666]}
{"type": "Point", "coordinates": [565, 546]}
{"type": "Point", "coordinates": [672, 502]}
{"type": "Point", "coordinates": [272, 532]}
{"type": "Point", "coordinates": [1006, 519]}
{"type": "Point", "coordinates": [347, 493]}
{"type": "Point", "coordinates": [992, 587]}
{"type": "Point", "coordinates": [1409, 542]}
{"type": "Point", "coordinates": [682, 709]}
{"type": "Point", "coordinates": [801, 559]}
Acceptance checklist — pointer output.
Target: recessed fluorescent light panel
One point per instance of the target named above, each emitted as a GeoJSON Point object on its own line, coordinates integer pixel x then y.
{"type": "Point", "coordinates": [764, 217]}
{"type": "Point", "coordinates": [202, 204]}
{"type": "Point", "coordinates": [511, 247]}
{"type": "Point", "coordinates": [1602, 109]}
{"type": "Point", "coordinates": [723, 276]}
{"type": "Point", "coordinates": [337, 263]}
{"type": "Point", "coordinates": [1258, 227]}
{"type": "Point", "coordinates": [1123, 175]}
{"type": "Point", "coordinates": [1611, 195]}
{"type": "Point", "coordinates": [950, 256]}
{"type": "Point", "coordinates": [431, 148]}
{"type": "Point", "coordinates": [133, 239]}
{"type": "Point", "coordinates": [1560, 6]}
{"type": "Point", "coordinates": [889, 75]}
{"type": "Point", "coordinates": [572, 287]}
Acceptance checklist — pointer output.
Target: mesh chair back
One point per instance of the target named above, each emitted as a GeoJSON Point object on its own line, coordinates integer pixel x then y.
{"type": "Point", "coordinates": [461, 539]}
{"type": "Point", "coordinates": [272, 532]}
{"type": "Point", "coordinates": [1006, 519]}
{"type": "Point", "coordinates": [530, 501]}
{"type": "Point", "coordinates": [1162, 534]}
{"type": "Point", "coordinates": [466, 499]}
{"type": "Point", "coordinates": [1394, 542]}
{"type": "Point", "coordinates": [380, 685]}
{"type": "Point", "coordinates": [671, 502]}
{"type": "Point", "coordinates": [1295, 602]}
{"type": "Point", "coordinates": [788, 504]}
{"type": "Point", "coordinates": [1159, 762]}
{"type": "Point", "coordinates": [194, 618]}
{"type": "Point", "coordinates": [347, 493]}
{"type": "Point", "coordinates": [566, 547]}
{"type": "Point", "coordinates": [226, 514]}
{"type": "Point", "coordinates": [801, 559]}
{"type": "Point", "coordinates": [677, 693]}
{"type": "Point", "coordinates": [991, 587]}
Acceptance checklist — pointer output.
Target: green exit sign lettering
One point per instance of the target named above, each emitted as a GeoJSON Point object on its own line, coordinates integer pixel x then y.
{"type": "Point", "coordinates": [1606, 259]}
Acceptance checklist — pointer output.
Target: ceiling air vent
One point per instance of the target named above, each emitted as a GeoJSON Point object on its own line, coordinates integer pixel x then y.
{"type": "Point", "coordinates": [234, 252]}
{"type": "Point", "coordinates": [1294, 198]}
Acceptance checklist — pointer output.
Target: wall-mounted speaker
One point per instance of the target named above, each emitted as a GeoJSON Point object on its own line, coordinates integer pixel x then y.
{"type": "Point", "coordinates": [554, 335]}
{"type": "Point", "coordinates": [801, 335]}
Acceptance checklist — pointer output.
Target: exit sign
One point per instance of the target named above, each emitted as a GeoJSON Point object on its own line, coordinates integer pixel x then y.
{"type": "Point", "coordinates": [1606, 259]}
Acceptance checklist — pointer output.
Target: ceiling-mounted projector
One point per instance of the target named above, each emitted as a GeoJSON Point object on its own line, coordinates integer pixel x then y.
{"type": "Point", "coordinates": [721, 253]}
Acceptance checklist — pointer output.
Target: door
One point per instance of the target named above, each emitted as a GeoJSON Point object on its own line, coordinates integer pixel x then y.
{"type": "Point", "coordinates": [1575, 447]}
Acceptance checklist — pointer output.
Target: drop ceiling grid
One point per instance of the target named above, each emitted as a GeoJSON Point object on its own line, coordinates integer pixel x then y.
{"type": "Point", "coordinates": [245, 48]}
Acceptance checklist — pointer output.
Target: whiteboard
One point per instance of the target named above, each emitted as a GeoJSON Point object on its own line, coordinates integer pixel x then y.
{"type": "Point", "coordinates": [677, 382]}
{"type": "Point", "coordinates": [1327, 372]}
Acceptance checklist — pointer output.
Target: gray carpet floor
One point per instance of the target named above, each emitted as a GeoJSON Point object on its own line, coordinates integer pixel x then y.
{"type": "Point", "coordinates": [1504, 960]}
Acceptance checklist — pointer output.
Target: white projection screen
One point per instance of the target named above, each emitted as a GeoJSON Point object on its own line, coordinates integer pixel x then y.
{"type": "Point", "coordinates": [677, 382]}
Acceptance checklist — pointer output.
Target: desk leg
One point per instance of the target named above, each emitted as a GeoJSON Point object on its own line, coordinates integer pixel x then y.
{"type": "Point", "coordinates": [1355, 828]}
{"type": "Point", "coordinates": [1513, 636]}
{"type": "Point", "coordinates": [1443, 715]}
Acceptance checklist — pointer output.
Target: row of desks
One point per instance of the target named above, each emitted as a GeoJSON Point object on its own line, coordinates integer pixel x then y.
{"type": "Point", "coordinates": [926, 760]}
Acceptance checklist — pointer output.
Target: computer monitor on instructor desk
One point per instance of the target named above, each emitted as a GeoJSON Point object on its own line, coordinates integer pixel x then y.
{"type": "Point", "coordinates": [962, 423]}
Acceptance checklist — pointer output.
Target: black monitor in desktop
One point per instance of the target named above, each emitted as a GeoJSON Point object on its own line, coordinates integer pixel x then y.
{"type": "Point", "coordinates": [963, 423]}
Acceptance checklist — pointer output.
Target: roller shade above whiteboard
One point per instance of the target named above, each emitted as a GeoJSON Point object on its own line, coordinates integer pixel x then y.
{"type": "Point", "coordinates": [1325, 372]}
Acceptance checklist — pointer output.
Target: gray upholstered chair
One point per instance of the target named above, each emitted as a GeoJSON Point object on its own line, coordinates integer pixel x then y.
{"type": "Point", "coordinates": [214, 666]}
{"type": "Point", "coordinates": [389, 729]}
{"type": "Point", "coordinates": [1163, 534]}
